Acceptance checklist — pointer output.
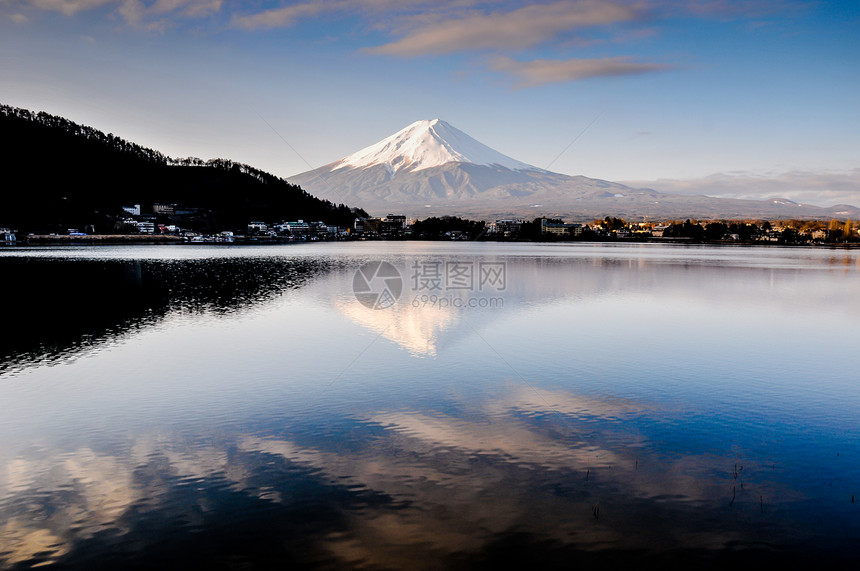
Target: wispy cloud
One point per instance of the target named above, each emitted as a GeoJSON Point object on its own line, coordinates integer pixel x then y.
{"type": "Point", "coordinates": [157, 16]}
{"type": "Point", "coordinates": [499, 32]}
{"type": "Point", "coordinates": [191, 8]}
{"type": "Point", "coordinates": [472, 23]}
{"type": "Point", "coordinates": [387, 15]}
{"type": "Point", "coordinates": [69, 7]}
{"type": "Point", "coordinates": [133, 11]}
{"type": "Point", "coordinates": [280, 17]}
{"type": "Point", "coordinates": [138, 13]}
{"type": "Point", "coordinates": [515, 29]}
{"type": "Point", "coordinates": [541, 71]}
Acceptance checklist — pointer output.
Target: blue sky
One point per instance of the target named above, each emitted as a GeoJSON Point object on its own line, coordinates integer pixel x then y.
{"type": "Point", "coordinates": [737, 98]}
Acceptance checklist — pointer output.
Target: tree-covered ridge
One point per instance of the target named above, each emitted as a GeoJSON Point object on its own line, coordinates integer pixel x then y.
{"type": "Point", "coordinates": [76, 176]}
{"type": "Point", "coordinates": [85, 132]}
{"type": "Point", "coordinates": [228, 165]}
{"type": "Point", "coordinates": [122, 145]}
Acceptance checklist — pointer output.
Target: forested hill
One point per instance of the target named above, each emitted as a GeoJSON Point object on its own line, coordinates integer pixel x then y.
{"type": "Point", "coordinates": [61, 175]}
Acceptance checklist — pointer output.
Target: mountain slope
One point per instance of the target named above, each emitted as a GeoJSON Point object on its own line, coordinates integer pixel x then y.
{"type": "Point", "coordinates": [72, 176]}
{"type": "Point", "coordinates": [432, 168]}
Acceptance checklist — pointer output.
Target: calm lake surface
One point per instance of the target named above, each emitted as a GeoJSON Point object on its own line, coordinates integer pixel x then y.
{"type": "Point", "coordinates": [475, 405]}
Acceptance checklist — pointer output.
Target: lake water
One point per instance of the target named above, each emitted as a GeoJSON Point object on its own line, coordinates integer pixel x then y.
{"type": "Point", "coordinates": [475, 405]}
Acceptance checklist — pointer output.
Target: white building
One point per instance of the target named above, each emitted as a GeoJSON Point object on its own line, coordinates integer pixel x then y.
{"type": "Point", "coordinates": [146, 227]}
{"type": "Point", "coordinates": [657, 231]}
{"type": "Point", "coordinates": [257, 228]}
{"type": "Point", "coordinates": [299, 228]}
{"type": "Point", "coordinates": [505, 227]}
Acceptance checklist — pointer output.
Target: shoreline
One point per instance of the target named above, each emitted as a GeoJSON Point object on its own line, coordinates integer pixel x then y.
{"type": "Point", "coordinates": [64, 239]}
{"type": "Point", "coordinates": [161, 240]}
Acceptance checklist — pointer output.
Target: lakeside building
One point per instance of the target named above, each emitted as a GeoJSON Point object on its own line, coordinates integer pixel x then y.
{"type": "Point", "coordinates": [305, 230]}
{"type": "Point", "coordinates": [505, 227]}
{"type": "Point", "coordinates": [297, 228]}
{"type": "Point", "coordinates": [392, 225]}
{"type": "Point", "coordinates": [146, 227]}
{"type": "Point", "coordinates": [657, 231]}
{"type": "Point", "coordinates": [396, 220]}
{"type": "Point", "coordinates": [255, 228]}
{"type": "Point", "coordinates": [560, 228]}
{"type": "Point", "coordinates": [163, 209]}
{"type": "Point", "coordinates": [142, 227]}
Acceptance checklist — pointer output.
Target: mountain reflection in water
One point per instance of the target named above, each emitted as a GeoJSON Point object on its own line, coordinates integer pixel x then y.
{"type": "Point", "coordinates": [73, 304]}
{"type": "Point", "coordinates": [647, 406]}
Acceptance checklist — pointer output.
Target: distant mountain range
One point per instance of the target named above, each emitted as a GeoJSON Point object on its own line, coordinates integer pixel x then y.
{"type": "Point", "coordinates": [63, 175]}
{"type": "Point", "coordinates": [430, 168]}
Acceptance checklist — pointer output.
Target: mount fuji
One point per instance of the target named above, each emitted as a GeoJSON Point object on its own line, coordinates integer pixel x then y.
{"type": "Point", "coordinates": [431, 168]}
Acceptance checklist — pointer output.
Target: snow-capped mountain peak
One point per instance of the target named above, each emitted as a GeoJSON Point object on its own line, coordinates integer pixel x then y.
{"type": "Point", "coordinates": [426, 144]}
